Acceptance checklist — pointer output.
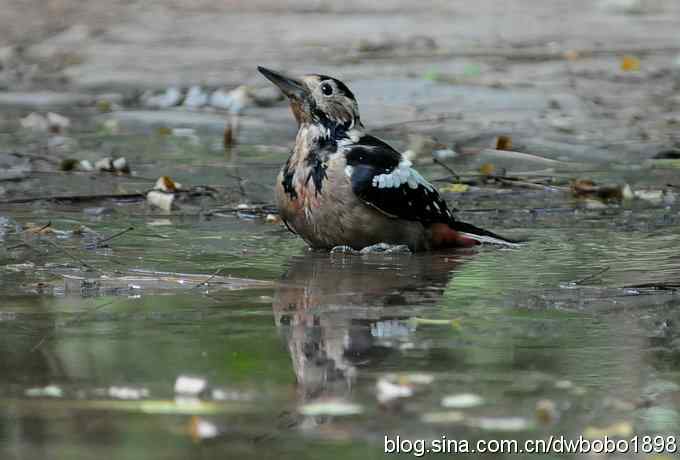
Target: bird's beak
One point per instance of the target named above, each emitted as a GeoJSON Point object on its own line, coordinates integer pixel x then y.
{"type": "Point", "coordinates": [291, 87]}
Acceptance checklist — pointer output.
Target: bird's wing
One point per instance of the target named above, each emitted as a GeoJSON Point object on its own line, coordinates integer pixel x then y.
{"type": "Point", "coordinates": [385, 180]}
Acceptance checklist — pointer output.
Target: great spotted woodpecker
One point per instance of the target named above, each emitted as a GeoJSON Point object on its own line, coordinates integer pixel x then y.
{"type": "Point", "coordinates": [344, 187]}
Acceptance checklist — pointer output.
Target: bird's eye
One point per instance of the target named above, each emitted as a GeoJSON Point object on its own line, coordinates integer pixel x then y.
{"type": "Point", "coordinates": [326, 89]}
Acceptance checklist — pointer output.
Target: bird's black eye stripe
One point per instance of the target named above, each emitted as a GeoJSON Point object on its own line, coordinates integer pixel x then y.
{"type": "Point", "coordinates": [326, 89]}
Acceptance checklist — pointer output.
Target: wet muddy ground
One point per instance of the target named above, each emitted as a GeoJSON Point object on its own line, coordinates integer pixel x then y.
{"type": "Point", "coordinates": [206, 329]}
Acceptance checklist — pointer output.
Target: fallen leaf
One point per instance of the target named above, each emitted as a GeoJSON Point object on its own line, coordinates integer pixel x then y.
{"type": "Point", "coordinates": [34, 229]}
{"type": "Point", "coordinates": [443, 417]}
{"type": "Point", "coordinates": [571, 55]}
{"type": "Point", "coordinates": [200, 428]}
{"type": "Point", "coordinates": [35, 122]}
{"type": "Point", "coordinates": [503, 143]}
{"type": "Point", "coordinates": [166, 184]}
{"type": "Point", "coordinates": [57, 123]}
{"type": "Point", "coordinates": [546, 411]}
{"type": "Point", "coordinates": [501, 423]}
{"type": "Point", "coordinates": [455, 188]}
{"type": "Point", "coordinates": [621, 429]}
{"type": "Point", "coordinates": [387, 390]}
{"type": "Point", "coordinates": [630, 64]}
{"type": "Point", "coordinates": [51, 391]}
{"type": "Point", "coordinates": [588, 188]}
{"type": "Point", "coordinates": [487, 169]}
{"type": "Point", "coordinates": [162, 200]}
{"type": "Point", "coordinates": [334, 407]}
{"type": "Point", "coordinates": [454, 323]}
{"type": "Point", "coordinates": [127, 392]}
{"type": "Point", "coordinates": [190, 385]}
{"type": "Point", "coordinates": [462, 401]}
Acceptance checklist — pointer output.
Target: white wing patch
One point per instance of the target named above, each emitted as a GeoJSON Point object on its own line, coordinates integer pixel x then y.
{"type": "Point", "coordinates": [402, 174]}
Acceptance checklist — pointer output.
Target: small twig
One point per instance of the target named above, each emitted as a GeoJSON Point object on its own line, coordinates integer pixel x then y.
{"type": "Point", "coordinates": [448, 168]}
{"type": "Point", "coordinates": [257, 209]}
{"type": "Point", "coordinates": [38, 230]}
{"type": "Point", "coordinates": [671, 286]}
{"type": "Point", "coordinates": [196, 190]}
{"type": "Point", "coordinates": [115, 235]}
{"type": "Point", "coordinates": [592, 276]}
{"type": "Point", "coordinates": [205, 283]}
{"type": "Point", "coordinates": [33, 156]}
{"type": "Point", "coordinates": [72, 256]}
{"type": "Point", "coordinates": [514, 182]}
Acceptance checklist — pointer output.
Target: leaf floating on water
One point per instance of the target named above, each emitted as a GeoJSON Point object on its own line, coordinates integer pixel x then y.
{"type": "Point", "coordinates": [387, 390]}
{"type": "Point", "coordinates": [621, 429]}
{"type": "Point", "coordinates": [51, 391]}
{"type": "Point", "coordinates": [166, 184]}
{"type": "Point", "coordinates": [462, 401]}
{"type": "Point", "coordinates": [487, 169]}
{"type": "Point", "coordinates": [161, 200]}
{"type": "Point", "coordinates": [33, 229]}
{"type": "Point", "coordinates": [630, 64]}
{"type": "Point", "coordinates": [504, 143]}
{"type": "Point", "coordinates": [199, 428]}
{"type": "Point", "coordinates": [588, 188]}
{"type": "Point", "coordinates": [501, 423]}
{"type": "Point", "coordinates": [272, 219]}
{"type": "Point", "coordinates": [454, 323]}
{"type": "Point", "coordinates": [443, 417]}
{"type": "Point", "coordinates": [415, 378]}
{"type": "Point", "coordinates": [128, 393]}
{"type": "Point", "coordinates": [546, 411]}
{"type": "Point", "coordinates": [455, 188]}
{"type": "Point", "coordinates": [571, 55]}
{"type": "Point", "coordinates": [564, 384]}
{"type": "Point", "coordinates": [332, 407]}
{"type": "Point", "coordinates": [394, 386]}
{"type": "Point", "coordinates": [190, 385]}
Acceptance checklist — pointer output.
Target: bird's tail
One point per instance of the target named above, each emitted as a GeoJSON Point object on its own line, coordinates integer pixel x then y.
{"type": "Point", "coordinates": [480, 235]}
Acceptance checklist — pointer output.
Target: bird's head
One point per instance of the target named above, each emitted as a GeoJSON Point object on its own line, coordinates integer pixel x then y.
{"type": "Point", "coordinates": [318, 99]}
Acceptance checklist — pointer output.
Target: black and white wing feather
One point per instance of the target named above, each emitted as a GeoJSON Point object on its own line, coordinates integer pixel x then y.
{"type": "Point", "coordinates": [385, 180]}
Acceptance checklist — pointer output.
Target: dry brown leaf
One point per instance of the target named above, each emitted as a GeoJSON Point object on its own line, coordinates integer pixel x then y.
{"type": "Point", "coordinates": [630, 64]}
{"type": "Point", "coordinates": [487, 169]}
{"type": "Point", "coordinates": [504, 143]}
{"type": "Point", "coordinates": [588, 188]}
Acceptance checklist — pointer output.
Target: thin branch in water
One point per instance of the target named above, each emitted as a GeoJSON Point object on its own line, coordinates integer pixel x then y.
{"type": "Point", "coordinates": [115, 235]}
{"type": "Point", "coordinates": [207, 281]}
{"type": "Point", "coordinates": [72, 256]}
{"type": "Point", "coordinates": [39, 230]}
{"type": "Point", "coordinates": [448, 168]}
{"type": "Point", "coordinates": [591, 276]}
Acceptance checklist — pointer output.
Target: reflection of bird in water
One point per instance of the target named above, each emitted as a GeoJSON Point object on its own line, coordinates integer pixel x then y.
{"type": "Point", "coordinates": [339, 313]}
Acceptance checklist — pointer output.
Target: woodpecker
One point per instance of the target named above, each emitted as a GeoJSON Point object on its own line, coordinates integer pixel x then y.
{"type": "Point", "coordinates": [344, 187]}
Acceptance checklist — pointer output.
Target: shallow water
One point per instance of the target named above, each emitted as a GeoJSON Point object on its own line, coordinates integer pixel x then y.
{"type": "Point", "coordinates": [89, 367]}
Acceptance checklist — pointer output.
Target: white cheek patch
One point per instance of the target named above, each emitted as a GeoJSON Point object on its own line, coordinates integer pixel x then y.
{"type": "Point", "coordinates": [402, 174]}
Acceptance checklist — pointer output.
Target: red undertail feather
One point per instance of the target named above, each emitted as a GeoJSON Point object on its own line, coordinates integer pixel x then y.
{"type": "Point", "coordinates": [462, 235]}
